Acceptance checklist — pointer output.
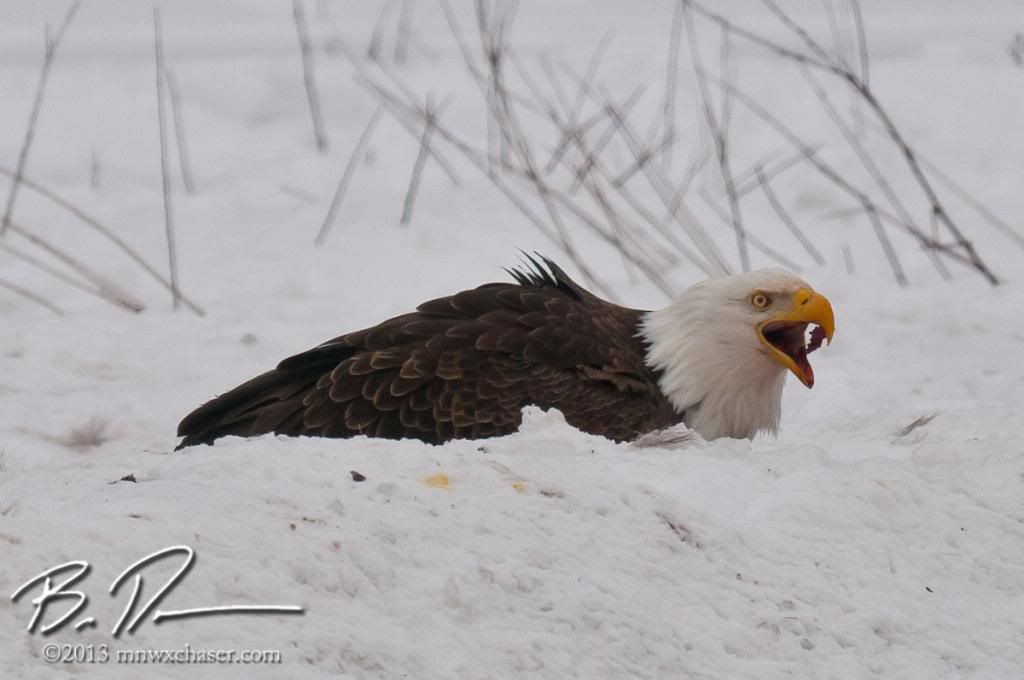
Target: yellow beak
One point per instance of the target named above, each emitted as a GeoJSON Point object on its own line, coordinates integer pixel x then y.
{"type": "Point", "coordinates": [784, 334]}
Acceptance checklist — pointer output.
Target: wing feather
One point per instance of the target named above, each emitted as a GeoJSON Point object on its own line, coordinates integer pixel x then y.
{"type": "Point", "coordinates": [459, 366]}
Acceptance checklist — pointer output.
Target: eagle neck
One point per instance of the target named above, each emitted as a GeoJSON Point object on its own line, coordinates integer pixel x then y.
{"type": "Point", "coordinates": [713, 369]}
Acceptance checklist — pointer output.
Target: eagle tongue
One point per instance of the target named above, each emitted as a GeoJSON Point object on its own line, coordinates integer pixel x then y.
{"type": "Point", "coordinates": [805, 366]}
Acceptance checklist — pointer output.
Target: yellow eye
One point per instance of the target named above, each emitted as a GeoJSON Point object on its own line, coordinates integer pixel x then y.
{"type": "Point", "coordinates": [760, 300]}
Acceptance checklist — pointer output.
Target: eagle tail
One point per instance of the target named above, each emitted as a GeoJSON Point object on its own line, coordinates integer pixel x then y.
{"type": "Point", "coordinates": [271, 402]}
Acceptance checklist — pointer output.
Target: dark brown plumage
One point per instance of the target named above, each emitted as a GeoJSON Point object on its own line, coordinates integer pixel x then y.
{"type": "Point", "coordinates": [460, 367]}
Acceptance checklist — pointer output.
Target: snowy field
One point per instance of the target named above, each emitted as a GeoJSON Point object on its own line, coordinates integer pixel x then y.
{"type": "Point", "coordinates": [881, 534]}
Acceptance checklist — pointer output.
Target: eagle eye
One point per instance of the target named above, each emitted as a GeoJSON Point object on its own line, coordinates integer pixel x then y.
{"type": "Point", "coordinates": [760, 300]}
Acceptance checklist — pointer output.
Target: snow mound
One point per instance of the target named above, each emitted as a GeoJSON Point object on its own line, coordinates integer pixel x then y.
{"type": "Point", "coordinates": [553, 553]}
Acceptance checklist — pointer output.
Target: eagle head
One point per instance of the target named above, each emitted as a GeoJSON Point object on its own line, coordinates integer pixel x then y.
{"type": "Point", "coordinates": [725, 345]}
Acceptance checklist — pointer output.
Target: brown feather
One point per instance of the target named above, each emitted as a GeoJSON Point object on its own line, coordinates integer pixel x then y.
{"type": "Point", "coordinates": [459, 366]}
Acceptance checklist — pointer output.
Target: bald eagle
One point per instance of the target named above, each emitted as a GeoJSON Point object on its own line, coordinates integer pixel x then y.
{"type": "Point", "coordinates": [464, 366]}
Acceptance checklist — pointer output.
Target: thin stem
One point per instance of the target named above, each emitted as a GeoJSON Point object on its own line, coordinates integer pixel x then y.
{"type": "Point", "coordinates": [37, 104]}
{"type": "Point", "coordinates": [180, 134]}
{"type": "Point", "coordinates": [165, 175]}
{"type": "Point", "coordinates": [309, 76]}
{"type": "Point", "coordinates": [346, 177]}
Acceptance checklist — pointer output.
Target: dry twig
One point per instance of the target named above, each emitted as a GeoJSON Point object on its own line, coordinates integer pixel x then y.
{"type": "Point", "coordinates": [29, 295]}
{"type": "Point", "coordinates": [309, 75]}
{"type": "Point", "coordinates": [753, 240]}
{"type": "Point", "coordinates": [403, 33]}
{"type": "Point", "coordinates": [785, 217]}
{"type": "Point", "coordinates": [671, 83]}
{"type": "Point", "coordinates": [180, 134]}
{"type": "Point", "coordinates": [979, 207]}
{"type": "Point", "coordinates": [107, 233]}
{"type": "Point", "coordinates": [718, 126]}
{"type": "Point", "coordinates": [52, 43]}
{"type": "Point", "coordinates": [94, 172]}
{"type": "Point", "coordinates": [376, 45]}
{"type": "Point", "coordinates": [53, 271]}
{"type": "Point", "coordinates": [405, 122]}
{"type": "Point", "coordinates": [484, 162]}
{"type": "Point", "coordinates": [104, 287]}
{"type": "Point", "coordinates": [818, 58]}
{"type": "Point", "coordinates": [346, 177]}
{"type": "Point", "coordinates": [172, 251]}
{"type": "Point", "coordinates": [585, 85]}
{"type": "Point", "coordinates": [430, 120]}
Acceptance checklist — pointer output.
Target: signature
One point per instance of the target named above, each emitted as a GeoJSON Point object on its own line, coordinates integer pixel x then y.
{"type": "Point", "coordinates": [130, 618]}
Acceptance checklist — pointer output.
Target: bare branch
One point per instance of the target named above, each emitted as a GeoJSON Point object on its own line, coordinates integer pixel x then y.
{"type": "Point", "coordinates": [430, 120]}
{"type": "Point", "coordinates": [862, 42]}
{"type": "Point", "coordinates": [180, 134]}
{"type": "Point", "coordinates": [848, 260]}
{"type": "Point", "coordinates": [105, 232]}
{"type": "Point", "coordinates": [106, 288]}
{"type": "Point", "coordinates": [346, 177]}
{"type": "Point", "coordinates": [37, 104]}
{"type": "Point", "coordinates": [298, 193]}
{"type": "Point", "coordinates": [694, 169]}
{"type": "Point", "coordinates": [492, 51]}
{"type": "Point", "coordinates": [581, 96]}
{"type": "Point", "coordinates": [753, 240]}
{"type": "Point", "coordinates": [883, 238]}
{"type": "Point", "coordinates": [747, 180]}
{"type": "Point", "coordinates": [671, 83]}
{"type": "Point", "coordinates": [638, 163]}
{"type": "Point", "coordinates": [838, 47]}
{"type": "Point", "coordinates": [556, 85]}
{"type": "Point", "coordinates": [571, 135]}
{"type": "Point", "coordinates": [873, 211]}
{"type": "Point", "coordinates": [29, 295]}
{"type": "Point", "coordinates": [821, 59]}
{"type": "Point", "coordinates": [404, 121]}
{"type": "Point", "coordinates": [309, 76]}
{"type": "Point", "coordinates": [94, 172]}
{"type": "Point", "coordinates": [1000, 224]}
{"type": "Point", "coordinates": [640, 240]}
{"type": "Point", "coordinates": [630, 237]}
{"type": "Point", "coordinates": [869, 164]}
{"type": "Point", "coordinates": [376, 46]}
{"type": "Point", "coordinates": [402, 35]}
{"type": "Point", "coordinates": [937, 207]}
{"type": "Point", "coordinates": [783, 214]}
{"type": "Point", "coordinates": [517, 141]}
{"type": "Point", "coordinates": [603, 140]}
{"type": "Point", "coordinates": [813, 45]}
{"type": "Point", "coordinates": [662, 187]}
{"type": "Point", "coordinates": [52, 271]}
{"type": "Point", "coordinates": [483, 163]}
{"type": "Point", "coordinates": [718, 128]}
{"type": "Point", "coordinates": [623, 235]}
{"type": "Point", "coordinates": [172, 254]}
{"type": "Point", "coordinates": [760, 40]}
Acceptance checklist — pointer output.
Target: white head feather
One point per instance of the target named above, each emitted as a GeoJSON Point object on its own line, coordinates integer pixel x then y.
{"type": "Point", "coordinates": [715, 370]}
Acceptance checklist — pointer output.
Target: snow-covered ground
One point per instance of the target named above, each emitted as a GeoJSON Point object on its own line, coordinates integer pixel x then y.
{"type": "Point", "coordinates": [852, 545]}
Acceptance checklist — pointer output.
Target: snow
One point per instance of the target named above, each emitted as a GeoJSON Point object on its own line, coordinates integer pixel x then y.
{"type": "Point", "coordinates": [850, 546]}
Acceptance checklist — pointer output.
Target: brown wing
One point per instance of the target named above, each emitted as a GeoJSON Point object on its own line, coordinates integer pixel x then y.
{"type": "Point", "coordinates": [462, 366]}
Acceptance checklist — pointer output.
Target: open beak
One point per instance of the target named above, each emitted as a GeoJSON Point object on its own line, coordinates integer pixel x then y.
{"type": "Point", "coordinates": [786, 338]}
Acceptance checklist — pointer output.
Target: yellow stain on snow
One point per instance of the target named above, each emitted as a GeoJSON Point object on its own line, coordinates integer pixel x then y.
{"type": "Point", "coordinates": [438, 481]}
{"type": "Point", "coordinates": [519, 486]}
